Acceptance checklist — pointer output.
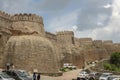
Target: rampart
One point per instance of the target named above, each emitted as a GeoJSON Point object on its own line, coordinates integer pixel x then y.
{"type": "Point", "coordinates": [98, 43]}
{"type": "Point", "coordinates": [65, 37]}
{"type": "Point", "coordinates": [50, 35]}
{"type": "Point", "coordinates": [5, 20]}
{"type": "Point", "coordinates": [65, 33]}
{"type": "Point", "coordinates": [27, 17]}
{"type": "Point", "coordinates": [28, 23]}
{"type": "Point", "coordinates": [86, 42]}
{"type": "Point", "coordinates": [5, 15]}
{"type": "Point", "coordinates": [107, 42]}
{"type": "Point", "coordinates": [24, 35]}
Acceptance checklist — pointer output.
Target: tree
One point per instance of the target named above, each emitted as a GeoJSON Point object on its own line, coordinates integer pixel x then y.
{"type": "Point", "coordinates": [115, 59]}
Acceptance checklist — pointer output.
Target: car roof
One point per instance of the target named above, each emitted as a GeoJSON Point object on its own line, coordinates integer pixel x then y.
{"type": "Point", "coordinates": [106, 73]}
{"type": "Point", "coordinates": [114, 76]}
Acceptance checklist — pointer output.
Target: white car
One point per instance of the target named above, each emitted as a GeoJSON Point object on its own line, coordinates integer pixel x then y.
{"type": "Point", "coordinates": [114, 77]}
{"type": "Point", "coordinates": [105, 76]}
{"type": "Point", "coordinates": [83, 74]}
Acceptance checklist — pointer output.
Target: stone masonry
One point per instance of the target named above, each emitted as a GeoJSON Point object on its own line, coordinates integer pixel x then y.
{"type": "Point", "coordinates": [25, 43]}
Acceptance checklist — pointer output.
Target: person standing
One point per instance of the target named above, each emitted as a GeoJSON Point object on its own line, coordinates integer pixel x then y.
{"type": "Point", "coordinates": [34, 76]}
{"type": "Point", "coordinates": [38, 76]}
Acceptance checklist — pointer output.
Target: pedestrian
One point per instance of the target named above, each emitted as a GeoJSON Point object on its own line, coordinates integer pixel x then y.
{"type": "Point", "coordinates": [38, 76]}
{"type": "Point", "coordinates": [7, 66]}
{"type": "Point", "coordinates": [78, 78]}
{"type": "Point", "coordinates": [34, 76]}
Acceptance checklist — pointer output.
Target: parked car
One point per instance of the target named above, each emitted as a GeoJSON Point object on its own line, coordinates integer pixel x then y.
{"type": "Point", "coordinates": [105, 76]}
{"type": "Point", "coordinates": [114, 77]}
{"type": "Point", "coordinates": [24, 72]}
{"type": "Point", "coordinates": [94, 76]}
{"type": "Point", "coordinates": [83, 74]}
{"type": "Point", "coordinates": [17, 75]}
{"type": "Point", "coordinates": [4, 76]}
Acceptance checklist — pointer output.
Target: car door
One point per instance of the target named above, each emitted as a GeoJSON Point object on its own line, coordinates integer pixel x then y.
{"type": "Point", "coordinates": [1, 78]}
{"type": "Point", "coordinates": [15, 76]}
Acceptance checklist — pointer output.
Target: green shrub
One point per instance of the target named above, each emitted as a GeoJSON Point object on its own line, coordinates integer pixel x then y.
{"type": "Point", "coordinates": [107, 66]}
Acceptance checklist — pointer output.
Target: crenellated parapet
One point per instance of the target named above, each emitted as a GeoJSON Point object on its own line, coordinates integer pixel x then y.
{"type": "Point", "coordinates": [51, 35]}
{"type": "Point", "coordinates": [85, 39]}
{"type": "Point", "coordinates": [5, 15]}
{"type": "Point", "coordinates": [86, 42]}
{"type": "Point", "coordinates": [65, 37]}
{"type": "Point", "coordinates": [27, 17]}
{"type": "Point", "coordinates": [105, 42]}
{"type": "Point", "coordinates": [98, 43]}
{"type": "Point", "coordinates": [65, 33]}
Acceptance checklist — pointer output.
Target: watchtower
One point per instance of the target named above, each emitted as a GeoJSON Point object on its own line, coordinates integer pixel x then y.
{"type": "Point", "coordinates": [28, 23]}
{"type": "Point", "coordinates": [65, 37]}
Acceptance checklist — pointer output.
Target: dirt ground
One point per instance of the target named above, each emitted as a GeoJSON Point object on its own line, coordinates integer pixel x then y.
{"type": "Point", "coordinates": [66, 76]}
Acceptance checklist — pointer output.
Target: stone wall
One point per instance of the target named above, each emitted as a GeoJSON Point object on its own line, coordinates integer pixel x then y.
{"type": "Point", "coordinates": [5, 20]}
{"type": "Point", "coordinates": [23, 40]}
{"type": "Point", "coordinates": [65, 38]}
{"type": "Point", "coordinates": [52, 37]}
{"type": "Point", "coordinates": [28, 23]}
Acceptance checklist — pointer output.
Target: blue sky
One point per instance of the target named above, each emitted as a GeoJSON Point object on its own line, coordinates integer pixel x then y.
{"type": "Point", "coordinates": [98, 19]}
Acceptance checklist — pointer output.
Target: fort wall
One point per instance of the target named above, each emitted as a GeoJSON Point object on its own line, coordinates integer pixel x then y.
{"type": "Point", "coordinates": [28, 23]}
{"type": "Point", "coordinates": [107, 42]}
{"type": "Point", "coordinates": [87, 42]}
{"type": "Point", "coordinates": [65, 38]}
{"type": "Point", "coordinates": [63, 44]}
{"type": "Point", "coordinates": [5, 20]}
{"type": "Point", "coordinates": [98, 43]}
{"type": "Point", "coordinates": [52, 37]}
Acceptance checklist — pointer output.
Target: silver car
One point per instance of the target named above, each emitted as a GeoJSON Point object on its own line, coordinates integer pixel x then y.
{"type": "Point", "coordinates": [4, 76]}
{"type": "Point", "coordinates": [105, 76]}
{"type": "Point", "coordinates": [114, 77]}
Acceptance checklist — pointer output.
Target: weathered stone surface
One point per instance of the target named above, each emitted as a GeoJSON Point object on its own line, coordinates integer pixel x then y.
{"type": "Point", "coordinates": [32, 52]}
{"type": "Point", "coordinates": [24, 42]}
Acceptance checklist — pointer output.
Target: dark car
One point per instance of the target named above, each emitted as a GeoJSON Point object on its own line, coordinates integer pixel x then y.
{"type": "Point", "coordinates": [17, 75]}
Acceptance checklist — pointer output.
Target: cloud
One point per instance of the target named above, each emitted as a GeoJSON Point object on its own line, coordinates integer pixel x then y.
{"type": "Point", "coordinates": [52, 5]}
{"type": "Point", "coordinates": [107, 6]}
{"type": "Point", "coordinates": [63, 22]}
{"type": "Point", "coordinates": [16, 6]}
{"type": "Point", "coordinates": [98, 19]}
{"type": "Point", "coordinates": [93, 13]}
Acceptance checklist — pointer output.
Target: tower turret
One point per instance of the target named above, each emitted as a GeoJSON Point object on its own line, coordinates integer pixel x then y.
{"type": "Point", "coordinates": [28, 23]}
{"type": "Point", "coordinates": [65, 37]}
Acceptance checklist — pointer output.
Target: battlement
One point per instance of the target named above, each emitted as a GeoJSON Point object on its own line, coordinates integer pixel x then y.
{"type": "Point", "coordinates": [50, 35]}
{"type": "Point", "coordinates": [27, 17]}
{"type": "Point", "coordinates": [97, 41]}
{"type": "Point", "coordinates": [85, 39]}
{"type": "Point", "coordinates": [108, 42]}
{"type": "Point", "coordinates": [5, 15]}
{"type": "Point", "coordinates": [65, 33]}
{"type": "Point", "coordinates": [117, 44]}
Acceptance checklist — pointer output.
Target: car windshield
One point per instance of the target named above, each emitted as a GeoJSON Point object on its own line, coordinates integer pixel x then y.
{"type": "Point", "coordinates": [91, 74]}
{"type": "Point", "coordinates": [4, 75]}
{"type": "Point", "coordinates": [83, 72]}
{"type": "Point", "coordinates": [105, 75]}
{"type": "Point", "coordinates": [111, 78]}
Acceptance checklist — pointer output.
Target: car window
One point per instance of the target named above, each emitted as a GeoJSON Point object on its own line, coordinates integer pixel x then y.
{"type": "Point", "coordinates": [14, 74]}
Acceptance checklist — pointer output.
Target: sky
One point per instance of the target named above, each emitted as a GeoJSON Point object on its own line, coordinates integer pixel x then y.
{"type": "Point", "coordinates": [97, 19]}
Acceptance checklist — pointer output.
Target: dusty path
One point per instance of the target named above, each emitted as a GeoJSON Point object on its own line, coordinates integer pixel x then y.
{"type": "Point", "coordinates": [66, 76]}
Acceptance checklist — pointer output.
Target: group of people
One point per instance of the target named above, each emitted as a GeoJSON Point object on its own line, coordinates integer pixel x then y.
{"type": "Point", "coordinates": [36, 76]}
